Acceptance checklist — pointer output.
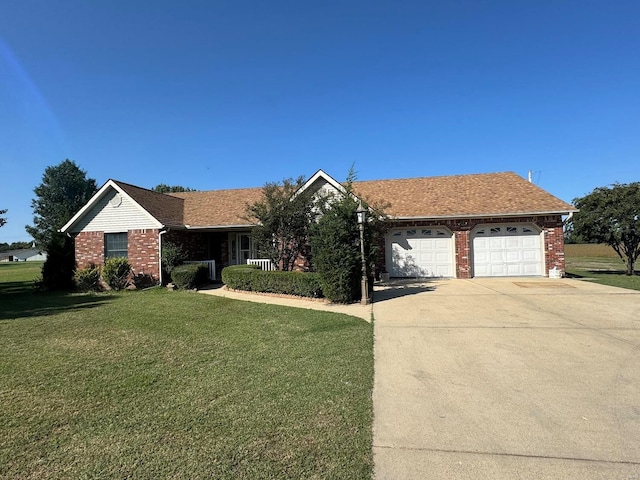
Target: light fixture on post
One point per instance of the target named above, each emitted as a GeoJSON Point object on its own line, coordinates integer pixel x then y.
{"type": "Point", "coordinates": [362, 218]}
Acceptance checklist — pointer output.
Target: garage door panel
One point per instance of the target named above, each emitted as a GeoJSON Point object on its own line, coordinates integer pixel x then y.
{"type": "Point", "coordinates": [420, 253]}
{"type": "Point", "coordinates": [507, 250]}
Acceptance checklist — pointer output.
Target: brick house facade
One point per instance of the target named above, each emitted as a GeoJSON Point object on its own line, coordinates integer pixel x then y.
{"type": "Point", "coordinates": [524, 226]}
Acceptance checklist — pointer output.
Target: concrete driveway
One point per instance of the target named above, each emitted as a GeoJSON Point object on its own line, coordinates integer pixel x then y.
{"type": "Point", "coordinates": [507, 379]}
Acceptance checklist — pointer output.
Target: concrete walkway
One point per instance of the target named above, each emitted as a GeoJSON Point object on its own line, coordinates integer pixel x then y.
{"type": "Point", "coordinates": [507, 379]}
{"type": "Point", "coordinates": [355, 309]}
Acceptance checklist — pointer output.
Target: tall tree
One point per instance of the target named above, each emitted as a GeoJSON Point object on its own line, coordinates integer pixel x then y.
{"type": "Point", "coordinates": [64, 190]}
{"type": "Point", "coordinates": [335, 242]}
{"type": "Point", "coordinates": [611, 215]}
{"type": "Point", "coordinates": [283, 217]}
{"type": "Point", "coordinates": [3, 220]}
{"type": "Point", "coordinates": [164, 188]}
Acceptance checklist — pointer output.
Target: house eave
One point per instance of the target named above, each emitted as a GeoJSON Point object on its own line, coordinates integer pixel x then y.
{"type": "Point", "coordinates": [483, 215]}
{"type": "Point", "coordinates": [219, 227]}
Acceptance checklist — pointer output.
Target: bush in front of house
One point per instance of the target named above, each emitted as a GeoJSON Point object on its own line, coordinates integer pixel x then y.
{"type": "Point", "coordinates": [190, 275]}
{"type": "Point", "coordinates": [238, 277]}
{"type": "Point", "coordinates": [173, 255]}
{"type": "Point", "coordinates": [116, 273]}
{"type": "Point", "coordinates": [301, 284]}
{"type": "Point", "coordinates": [87, 279]}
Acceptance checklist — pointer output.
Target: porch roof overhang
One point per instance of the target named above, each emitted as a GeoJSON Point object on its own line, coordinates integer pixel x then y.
{"type": "Point", "coordinates": [218, 228]}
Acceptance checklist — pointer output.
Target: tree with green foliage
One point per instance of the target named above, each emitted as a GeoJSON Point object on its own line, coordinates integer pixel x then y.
{"type": "Point", "coordinates": [335, 243]}
{"type": "Point", "coordinates": [164, 188]}
{"type": "Point", "coordinates": [3, 220]}
{"type": "Point", "coordinates": [611, 215]}
{"type": "Point", "coordinates": [64, 190]}
{"type": "Point", "coordinates": [283, 218]}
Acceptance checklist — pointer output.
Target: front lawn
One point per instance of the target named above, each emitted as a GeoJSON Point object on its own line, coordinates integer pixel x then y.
{"type": "Point", "coordinates": [599, 264]}
{"type": "Point", "coordinates": [159, 384]}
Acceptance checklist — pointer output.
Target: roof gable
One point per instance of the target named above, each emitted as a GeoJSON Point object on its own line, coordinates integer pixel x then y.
{"type": "Point", "coordinates": [156, 210]}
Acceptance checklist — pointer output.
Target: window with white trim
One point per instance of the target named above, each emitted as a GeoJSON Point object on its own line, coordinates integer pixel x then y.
{"type": "Point", "coordinates": [115, 245]}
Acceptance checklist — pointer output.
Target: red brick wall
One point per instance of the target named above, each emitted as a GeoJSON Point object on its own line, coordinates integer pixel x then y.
{"type": "Point", "coordinates": [463, 253]}
{"type": "Point", "coordinates": [551, 225]}
{"type": "Point", "coordinates": [143, 252]}
{"type": "Point", "coordinates": [554, 246]}
{"type": "Point", "coordinates": [89, 248]}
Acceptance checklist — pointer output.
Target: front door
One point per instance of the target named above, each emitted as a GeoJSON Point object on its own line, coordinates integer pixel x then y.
{"type": "Point", "coordinates": [243, 246]}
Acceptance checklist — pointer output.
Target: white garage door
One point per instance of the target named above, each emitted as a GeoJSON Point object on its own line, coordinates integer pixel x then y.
{"type": "Point", "coordinates": [507, 251]}
{"type": "Point", "coordinates": [420, 252]}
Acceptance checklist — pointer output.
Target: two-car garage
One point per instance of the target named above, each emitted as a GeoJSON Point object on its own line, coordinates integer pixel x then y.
{"type": "Point", "coordinates": [496, 250]}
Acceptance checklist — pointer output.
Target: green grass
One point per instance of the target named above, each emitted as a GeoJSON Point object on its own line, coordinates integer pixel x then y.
{"type": "Point", "coordinates": [599, 264]}
{"type": "Point", "coordinates": [159, 384]}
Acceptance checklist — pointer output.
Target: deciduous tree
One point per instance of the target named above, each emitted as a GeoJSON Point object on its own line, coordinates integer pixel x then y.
{"type": "Point", "coordinates": [283, 217]}
{"type": "Point", "coordinates": [611, 215]}
{"type": "Point", "coordinates": [3, 220]}
{"type": "Point", "coordinates": [64, 190]}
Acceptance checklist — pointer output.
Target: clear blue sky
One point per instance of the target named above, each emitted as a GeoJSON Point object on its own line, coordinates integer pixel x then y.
{"type": "Point", "coordinates": [224, 94]}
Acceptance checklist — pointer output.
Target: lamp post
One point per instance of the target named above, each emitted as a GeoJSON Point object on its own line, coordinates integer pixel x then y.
{"type": "Point", "coordinates": [362, 217]}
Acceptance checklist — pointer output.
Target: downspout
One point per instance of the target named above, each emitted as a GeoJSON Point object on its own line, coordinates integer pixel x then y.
{"type": "Point", "coordinates": [162, 232]}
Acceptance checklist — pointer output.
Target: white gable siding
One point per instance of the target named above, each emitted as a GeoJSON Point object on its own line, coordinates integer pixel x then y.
{"type": "Point", "coordinates": [105, 217]}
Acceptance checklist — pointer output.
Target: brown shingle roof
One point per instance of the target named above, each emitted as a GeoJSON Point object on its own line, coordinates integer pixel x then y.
{"type": "Point", "coordinates": [486, 194]}
{"type": "Point", "coordinates": [217, 207]}
{"type": "Point", "coordinates": [489, 194]}
{"type": "Point", "coordinates": [166, 209]}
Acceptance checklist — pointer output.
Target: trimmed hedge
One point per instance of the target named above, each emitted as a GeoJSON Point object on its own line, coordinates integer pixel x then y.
{"type": "Point", "coordinates": [190, 275]}
{"type": "Point", "coordinates": [250, 278]}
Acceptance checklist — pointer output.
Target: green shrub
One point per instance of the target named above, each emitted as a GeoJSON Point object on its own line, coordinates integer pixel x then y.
{"type": "Point", "coordinates": [143, 280]}
{"type": "Point", "coordinates": [116, 272]}
{"type": "Point", "coordinates": [190, 275]}
{"type": "Point", "coordinates": [87, 279]}
{"type": "Point", "coordinates": [252, 279]}
{"type": "Point", "coordinates": [172, 256]}
{"type": "Point", "coordinates": [57, 270]}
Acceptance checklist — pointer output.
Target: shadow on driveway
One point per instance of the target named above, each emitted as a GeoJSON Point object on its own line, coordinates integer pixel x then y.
{"type": "Point", "coordinates": [401, 288]}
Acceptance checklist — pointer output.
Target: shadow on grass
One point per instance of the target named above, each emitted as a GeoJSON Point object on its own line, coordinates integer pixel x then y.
{"type": "Point", "coordinates": [617, 273]}
{"type": "Point", "coordinates": [401, 288]}
{"type": "Point", "coordinates": [25, 303]}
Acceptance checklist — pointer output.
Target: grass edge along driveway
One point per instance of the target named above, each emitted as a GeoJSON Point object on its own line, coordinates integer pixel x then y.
{"type": "Point", "coordinates": [159, 384]}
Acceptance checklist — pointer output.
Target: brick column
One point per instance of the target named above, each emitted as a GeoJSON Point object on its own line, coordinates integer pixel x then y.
{"type": "Point", "coordinates": [463, 257]}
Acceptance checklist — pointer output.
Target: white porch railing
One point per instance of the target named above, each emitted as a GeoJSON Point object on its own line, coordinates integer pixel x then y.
{"type": "Point", "coordinates": [211, 264]}
{"type": "Point", "coordinates": [263, 263]}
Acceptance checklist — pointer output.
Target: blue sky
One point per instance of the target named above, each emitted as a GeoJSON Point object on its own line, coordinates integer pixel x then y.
{"type": "Point", "coordinates": [224, 94]}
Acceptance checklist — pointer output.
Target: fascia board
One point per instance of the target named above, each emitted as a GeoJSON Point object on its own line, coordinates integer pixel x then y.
{"type": "Point", "coordinates": [485, 215]}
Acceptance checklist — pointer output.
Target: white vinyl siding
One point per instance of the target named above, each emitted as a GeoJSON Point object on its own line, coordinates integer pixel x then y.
{"type": "Point", "coordinates": [420, 252]}
{"type": "Point", "coordinates": [114, 213]}
{"type": "Point", "coordinates": [507, 251]}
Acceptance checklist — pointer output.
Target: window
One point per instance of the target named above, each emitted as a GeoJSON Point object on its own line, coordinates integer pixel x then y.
{"type": "Point", "coordinates": [115, 245]}
{"type": "Point", "coordinates": [426, 232]}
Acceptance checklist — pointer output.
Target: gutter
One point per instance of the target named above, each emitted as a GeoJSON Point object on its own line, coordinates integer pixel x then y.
{"type": "Point", "coordinates": [486, 215]}
{"type": "Point", "coordinates": [163, 230]}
